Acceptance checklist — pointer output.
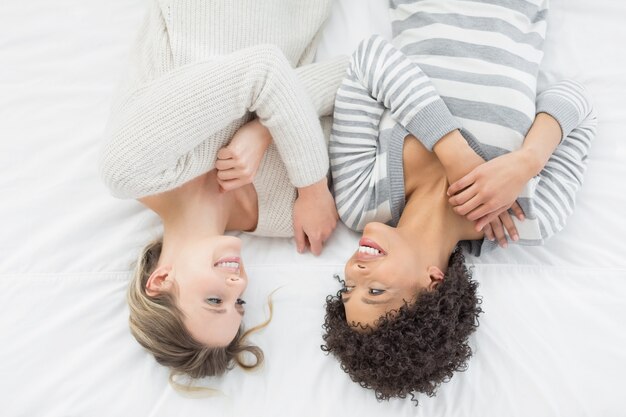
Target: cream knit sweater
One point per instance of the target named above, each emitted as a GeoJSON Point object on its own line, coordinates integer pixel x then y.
{"type": "Point", "coordinates": [199, 70]}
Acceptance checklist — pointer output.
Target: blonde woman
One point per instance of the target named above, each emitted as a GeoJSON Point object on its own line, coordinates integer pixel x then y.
{"type": "Point", "coordinates": [215, 131]}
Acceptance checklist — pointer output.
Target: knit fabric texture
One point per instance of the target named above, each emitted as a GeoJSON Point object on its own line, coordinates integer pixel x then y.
{"type": "Point", "coordinates": [200, 70]}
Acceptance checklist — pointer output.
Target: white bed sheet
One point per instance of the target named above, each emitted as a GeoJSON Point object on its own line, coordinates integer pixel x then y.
{"type": "Point", "coordinates": [552, 340]}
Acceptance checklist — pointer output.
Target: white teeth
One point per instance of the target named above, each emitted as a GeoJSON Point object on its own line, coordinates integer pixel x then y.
{"type": "Point", "coordinates": [227, 265]}
{"type": "Point", "coordinates": [368, 250]}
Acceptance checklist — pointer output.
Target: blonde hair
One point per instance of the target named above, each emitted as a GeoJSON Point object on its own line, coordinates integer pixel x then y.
{"type": "Point", "coordinates": [157, 324]}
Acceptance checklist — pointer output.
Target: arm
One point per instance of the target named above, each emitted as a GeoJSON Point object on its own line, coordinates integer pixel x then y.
{"type": "Point", "coordinates": [397, 83]}
{"type": "Point", "coordinates": [238, 161]}
{"type": "Point", "coordinates": [169, 130]}
{"type": "Point", "coordinates": [555, 150]}
{"type": "Point", "coordinates": [400, 85]}
{"type": "Point", "coordinates": [321, 81]}
{"type": "Point", "coordinates": [561, 178]}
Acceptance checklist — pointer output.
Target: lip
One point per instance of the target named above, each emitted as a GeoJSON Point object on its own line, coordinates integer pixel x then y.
{"type": "Point", "coordinates": [229, 259]}
{"type": "Point", "coordinates": [361, 256]}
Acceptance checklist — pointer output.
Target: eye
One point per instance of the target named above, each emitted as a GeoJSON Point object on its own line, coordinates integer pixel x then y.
{"type": "Point", "coordinates": [374, 291]}
{"type": "Point", "coordinates": [214, 300]}
{"type": "Point", "coordinates": [240, 302]}
{"type": "Point", "coordinates": [346, 289]}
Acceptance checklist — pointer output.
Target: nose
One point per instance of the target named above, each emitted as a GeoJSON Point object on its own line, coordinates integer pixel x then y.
{"type": "Point", "coordinates": [360, 266]}
{"type": "Point", "coordinates": [233, 278]}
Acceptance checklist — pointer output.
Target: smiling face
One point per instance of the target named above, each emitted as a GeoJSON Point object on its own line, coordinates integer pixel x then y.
{"type": "Point", "coordinates": [383, 274]}
{"type": "Point", "coordinates": [208, 278]}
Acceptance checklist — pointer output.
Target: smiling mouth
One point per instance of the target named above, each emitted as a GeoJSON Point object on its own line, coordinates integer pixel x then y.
{"type": "Point", "coordinates": [229, 263]}
{"type": "Point", "coordinates": [369, 246]}
{"type": "Point", "coordinates": [369, 250]}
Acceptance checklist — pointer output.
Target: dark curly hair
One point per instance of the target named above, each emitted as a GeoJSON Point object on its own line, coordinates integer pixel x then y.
{"type": "Point", "coordinates": [415, 348]}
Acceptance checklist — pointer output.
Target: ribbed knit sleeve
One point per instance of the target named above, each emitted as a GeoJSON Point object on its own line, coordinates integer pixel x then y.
{"type": "Point", "coordinates": [567, 102]}
{"type": "Point", "coordinates": [163, 135]}
{"type": "Point", "coordinates": [321, 82]}
{"type": "Point", "coordinates": [561, 178]}
{"type": "Point", "coordinates": [400, 85]}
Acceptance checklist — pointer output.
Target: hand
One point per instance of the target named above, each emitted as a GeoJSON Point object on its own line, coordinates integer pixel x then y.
{"type": "Point", "coordinates": [490, 189]}
{"type": "Point", "coordinates": [238, 162]}
{"type": "Point", "coordinates": [495, 228]}
{"type": "Point", "coordinates": [314, 216]}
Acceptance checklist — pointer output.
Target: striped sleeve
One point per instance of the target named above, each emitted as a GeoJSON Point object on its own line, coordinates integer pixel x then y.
{"type": "Point", "coordinates": [399, 84]}
{"type": "Point", "coordinates": [554, 197]}
{"type": "Point", "coordinates": [379, 77]}
{"type": "Point", "coordinates": [353, 148]}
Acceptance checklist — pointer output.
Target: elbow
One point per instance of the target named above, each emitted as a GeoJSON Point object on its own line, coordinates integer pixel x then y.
{"type": "Point", "coordinates": [119, 168]}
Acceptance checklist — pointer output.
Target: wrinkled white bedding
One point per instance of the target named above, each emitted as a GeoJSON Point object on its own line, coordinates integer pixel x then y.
{"type": "Point", "coordinates": [552, 340]}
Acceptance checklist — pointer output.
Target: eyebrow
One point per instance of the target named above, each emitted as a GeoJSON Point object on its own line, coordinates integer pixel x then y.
{"type": "Point", "coordinates": [365, 300]}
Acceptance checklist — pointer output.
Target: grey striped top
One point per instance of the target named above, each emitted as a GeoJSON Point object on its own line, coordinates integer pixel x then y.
{"type": "Point", "coordinates": [454, 64]}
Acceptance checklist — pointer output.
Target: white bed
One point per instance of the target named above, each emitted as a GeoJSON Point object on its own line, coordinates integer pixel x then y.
{"type": "Point", "coordinates": [552, 340]}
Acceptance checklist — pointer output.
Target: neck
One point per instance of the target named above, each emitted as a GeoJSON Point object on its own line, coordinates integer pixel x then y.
{"type": "Point", "coordinates": [198, 209]}
{"type": "Point", "coordinates": [428, 220]}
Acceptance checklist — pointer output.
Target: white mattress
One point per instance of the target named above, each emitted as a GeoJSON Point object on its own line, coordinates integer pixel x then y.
{"type": "Point", "coordinates": [552, 340]}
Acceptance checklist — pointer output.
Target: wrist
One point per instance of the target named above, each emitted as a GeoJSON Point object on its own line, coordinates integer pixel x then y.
{"type": "Point", "coordinates": [529, 162]}
{"type": "Point", "coordinates": [260, 130]}
{"type": "Point", "coordinates": [314, 189]}
{"type": "Point", "coordinates": [451, 147]}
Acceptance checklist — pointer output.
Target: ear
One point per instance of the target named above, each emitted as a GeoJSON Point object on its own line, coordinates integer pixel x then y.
{"type": "Point", "coordinates": [436, 277]}
{"type": "Point", "coordinates": [159, 280]}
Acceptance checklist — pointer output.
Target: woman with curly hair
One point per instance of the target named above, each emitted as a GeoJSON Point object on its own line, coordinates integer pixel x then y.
{"type": "Point", "coordinates": [414, 123]}
{"type": "Point", "coordinates": [215, 130]}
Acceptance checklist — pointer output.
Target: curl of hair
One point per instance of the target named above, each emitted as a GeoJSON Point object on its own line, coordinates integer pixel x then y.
{"type": "Point", "coordinates": [415, 348]}
{"type": "Point", "coordinates": [157, 324]}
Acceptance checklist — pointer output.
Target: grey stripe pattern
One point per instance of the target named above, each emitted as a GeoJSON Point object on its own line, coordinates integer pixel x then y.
{"type": "Point", "coordinates": [433, 85]}
{"type": "Point", "coordinates": [460, 49]}
{"type": "Point", "coordinates": [490, 24]}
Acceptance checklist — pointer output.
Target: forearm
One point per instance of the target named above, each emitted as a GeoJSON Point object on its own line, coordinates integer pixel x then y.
{"type": "Point", "coordinates": [539, 144]}
{"type": "Point", "coordinates": [561, 174]}
{"type": "Point", "coordinates": [169, 131]}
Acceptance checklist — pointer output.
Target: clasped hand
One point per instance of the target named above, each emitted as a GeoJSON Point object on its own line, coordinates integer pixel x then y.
{"type": "Point", "coordinates": [237, 163]}
{"type": "Point", "coordinates": [487, 192]}
{"type": "Point", "coordinates": [314, 212]}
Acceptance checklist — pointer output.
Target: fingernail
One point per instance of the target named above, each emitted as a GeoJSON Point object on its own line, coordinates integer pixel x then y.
{"type": "Point", "coordinates": [505, 245]}
{"type": "Point", "coordinates": [515, 238]}
{"type": "Point", "coordinates": [521, 217]}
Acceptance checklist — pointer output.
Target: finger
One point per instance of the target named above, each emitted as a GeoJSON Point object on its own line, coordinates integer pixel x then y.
{"type": "Point", "coordinates": [498, 231]}
{"type": "Point", "coordinates": [316, 246]}
{"type": "Point", "coordinates": [224, 153]}
{"type": "Point", "coordinates": [231, 184]}
{"type": "Point", "coordinates": [462, 197]}
{"type": "Point", "coordinates": [485, 220]}
{"type": "Point", "coordinates": [517, 210]}
{"type": "Point", "coordinates": [229, 174]}
{"type": "Point", "coordinates": [488, 232]}
{"type": "Point", "coordinates": [300, 237]}
{"type": "Point", "coordinates": [509, 225]}
{"type": "Point", "coordinates": [469, 206]}
{"type": "Point", "coordinates": [461, 184]}
{"type": "Point", "coordinates": [224, 164]}
{"type": "Point", "coordinates": [481, 211]}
